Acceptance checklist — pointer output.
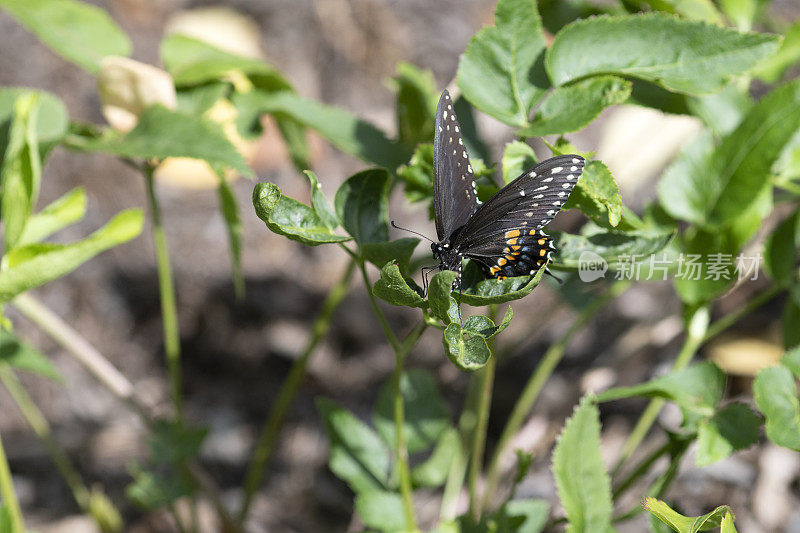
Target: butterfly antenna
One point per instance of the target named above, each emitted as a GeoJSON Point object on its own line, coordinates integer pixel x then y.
{"type": "Point", "coordinates": [395, 226]}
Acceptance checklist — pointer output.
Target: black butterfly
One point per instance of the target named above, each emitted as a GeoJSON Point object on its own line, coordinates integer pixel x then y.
{"type": "Point", "coordinates": [504, 235]}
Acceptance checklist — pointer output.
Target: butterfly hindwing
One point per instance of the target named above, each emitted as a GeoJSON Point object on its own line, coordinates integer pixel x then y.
{"type": "Point", "coordinates": [504, 235]}
{"type": "Point", "coordinates": [455, 196]}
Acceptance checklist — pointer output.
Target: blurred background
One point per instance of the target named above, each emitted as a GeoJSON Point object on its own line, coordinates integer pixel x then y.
{"type": "Point", "coordinates": [236, 354]}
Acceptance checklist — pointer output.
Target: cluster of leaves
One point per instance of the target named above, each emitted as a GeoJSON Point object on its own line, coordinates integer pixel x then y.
{"type": "Point", "coordinates": [712, 199]}
{"type": "Point", "coordinates": [715, 197]}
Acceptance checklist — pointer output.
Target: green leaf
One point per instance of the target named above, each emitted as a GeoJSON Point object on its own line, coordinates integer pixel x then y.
{"type": "Point", "coordinates": [77, 31]}
{"type": "Point", "coordinates": [393, 288]}
{"type": "Point", "coordinates": [573, 107]}
{"type": "Point", "coordinates": [517, 158]}
{"type": "Point", "coordinates": [722, 111]}
{"type": "Point", "coordinates": [468, 352]}
{"type": "Point", "coordinates": [416, 103]}
{"type": "Point", "coordinates": [712, 187]}
{"type": "Point", "coordinates": [233, 223]}
{"type": "Point", "coordinates": [791, 317]}
{"type": "Point", "coordinates": [772, 68]}
{"type": "Point", "coordinates": [500, 72]}
{"type": "Point", "coordinates": [686, 524]}
{"type": "Point", "coordinates": [690, 9]}
{"type": "Point", "coordinates": [696, 390]}
{"type": "Point", "coordinates": [597, 196]}
{"type": "Point", "coordinates": [434, 471]}
{"type": "Point", "coordinates": [197, 99]}
{"type": "Point", "coordinates": [381, 510]}
{"type": "Point", "coordinates": [320, 204]}
{"type": "Point", "coordinates": [151, 490]}
{"type": "Point", "coordinates": [174, 443]}
{"type": "Point", "coordinates": [399, 251]}
{"type": "Point", "coordinates": [290, 218]}
{"type": "Point", "coordinates": [361, 204]}
{"type": "Point", "coordinates": [727, 524]}
{"type": "Point", "coordinates": [522, 516]}
{"type": "Point", "coordinates": [614, 247]}
{"type": "Point", "coordinates": [21, 356]}
{"type": "Point", "coordinates": [483, 326]}
{"type": "Point", "coordinates": [775, 394]}
{"type": "Point", "coordinates": [344, 130]}
{"type": "Point", "coordinates": [425, 412]}
{"type": "Point", "coordinates": [702, 287]}
{"type": "Point", "coordinates": [191, 62]}
{"type": "Point", "coordinates": [162, 133]}
{"type": "Point", "coordinates": [5, 519]}
{"type": "Point", "coordinates": [51, 120]}
{"type": "Point", "coordinates": [732, 428]}
{"type": "Point", "coordinates": [21, 171]}
{"type": "Point", "coordinates": [357, 454]}
{"type": "Point", "coordinates": [689, 57]}
{"type": "Point", "coordinates": [780, 251]}
{"type": "Point", "coordinates": [418, 174]}
{"type": "Point", "coordinates": [791, 360]}
{"type": "Point", "coordinates": [584, 487]}
{"type": "Point", "coordinates": [439, 295]}
{"type": "Point", "coordinates": [477, 290]}
{"type": "Point", "coordinates": [33, 265]}
{"type": "Point", "coordinates": [61, 213]}
{"type": "Point", "coordinates": [743, 12]}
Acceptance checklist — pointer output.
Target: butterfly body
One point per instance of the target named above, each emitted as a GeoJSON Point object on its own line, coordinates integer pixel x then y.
{"type": "Point", "coordinates": [503, 235]}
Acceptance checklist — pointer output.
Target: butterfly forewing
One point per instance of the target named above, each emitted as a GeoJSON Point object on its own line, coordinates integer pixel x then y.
{"type": "Point", "coordinates": [455, 196]}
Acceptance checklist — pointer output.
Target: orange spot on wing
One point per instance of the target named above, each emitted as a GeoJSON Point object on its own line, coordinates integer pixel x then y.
{"type": "Point", "coordinates": [542, 242]}
{"type": "Point", "coordinates": [512, 233]}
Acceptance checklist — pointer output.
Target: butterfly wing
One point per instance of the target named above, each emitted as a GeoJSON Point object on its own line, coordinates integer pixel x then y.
{"type": "Point", "coordinates": [455, 196]}
{"type": "Point", "coordinates": [505, 234]}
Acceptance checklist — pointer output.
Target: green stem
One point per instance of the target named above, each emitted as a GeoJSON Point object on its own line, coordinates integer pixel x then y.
{"type": "Point", "coordinates": [169, 310]}
{"type": "Point", "coordinates": [40, 426]}
{"type": "Point", "coordinates": [400, 351]}
{"type": "Point", "coordinates": [96, 363]}
{"type": "Point", "coordinates": [643, 467]}
{"type": "Point", "coordinates": [695, 336]}
{"type": "Point", "coordinates": [7, 495]}
{"type": "Point", "coordinates": [458, 468]}
{"type": "Point", "coordinates": [537, 380]}
{"type": "Point", "coordinates": [734, 316]}
{"type": "Point", "coordinates": [387, 330]}
{"type": "Point", "coordinates": [486, 381]}
{"type": "Point", "coordinates": [274, 423]}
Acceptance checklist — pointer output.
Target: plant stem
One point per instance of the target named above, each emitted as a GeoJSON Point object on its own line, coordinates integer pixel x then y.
{"type": "Point", "coordinates": [111, 378]}
{"type": "Point", "coordinates": [169, 310]}
{"type": "Point", "coordinates": [733, 317]}
{"type": "Point", "coordinates": [7, 494]}
{"type": "Point", "coordinates": [272, 427]}
{"type": "Point", "coordinates": [486, 381]}
{"type": "Point", "coordinates": [387, 330]}
{"type": "Point", "coordinates": [79, 347]}
{"type": "Point", "coordinates": [695, 336]}
{"type": "Point", "coordinates": [536, 382]}
{"type": "Point", "coordinates": [458, 468]}
{"type": "Point", "coordinates": [40, 426]}
{"type": "Point", "coordinates": [400, 352]}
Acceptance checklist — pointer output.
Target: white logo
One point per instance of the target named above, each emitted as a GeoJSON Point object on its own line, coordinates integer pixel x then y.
{"type": "Point", "coordinates": [591, 266]}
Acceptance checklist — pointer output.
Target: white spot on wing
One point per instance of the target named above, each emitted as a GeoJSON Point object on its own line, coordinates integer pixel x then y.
{"type": "Point", "coordinates": [542, 188]}
{"type": "Point", "coordinates": [556, 170]}
{"type": "Point", "coordinates": [573, 169]}
{"type": "Point", "coordinates": [576, 160]}
{"type": "Point", "coordinates": [547, 180]}
{"type": "Point", "coordinates": [444, 115]}
{"type": "Point", "coordinates": [566, 186]}
{"type": "Point", "coordinates": [562, 194]}
{"type": "Point", "coordinates": [538, 196]}
{"type": "Point", "coordinates": [522, 193]}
